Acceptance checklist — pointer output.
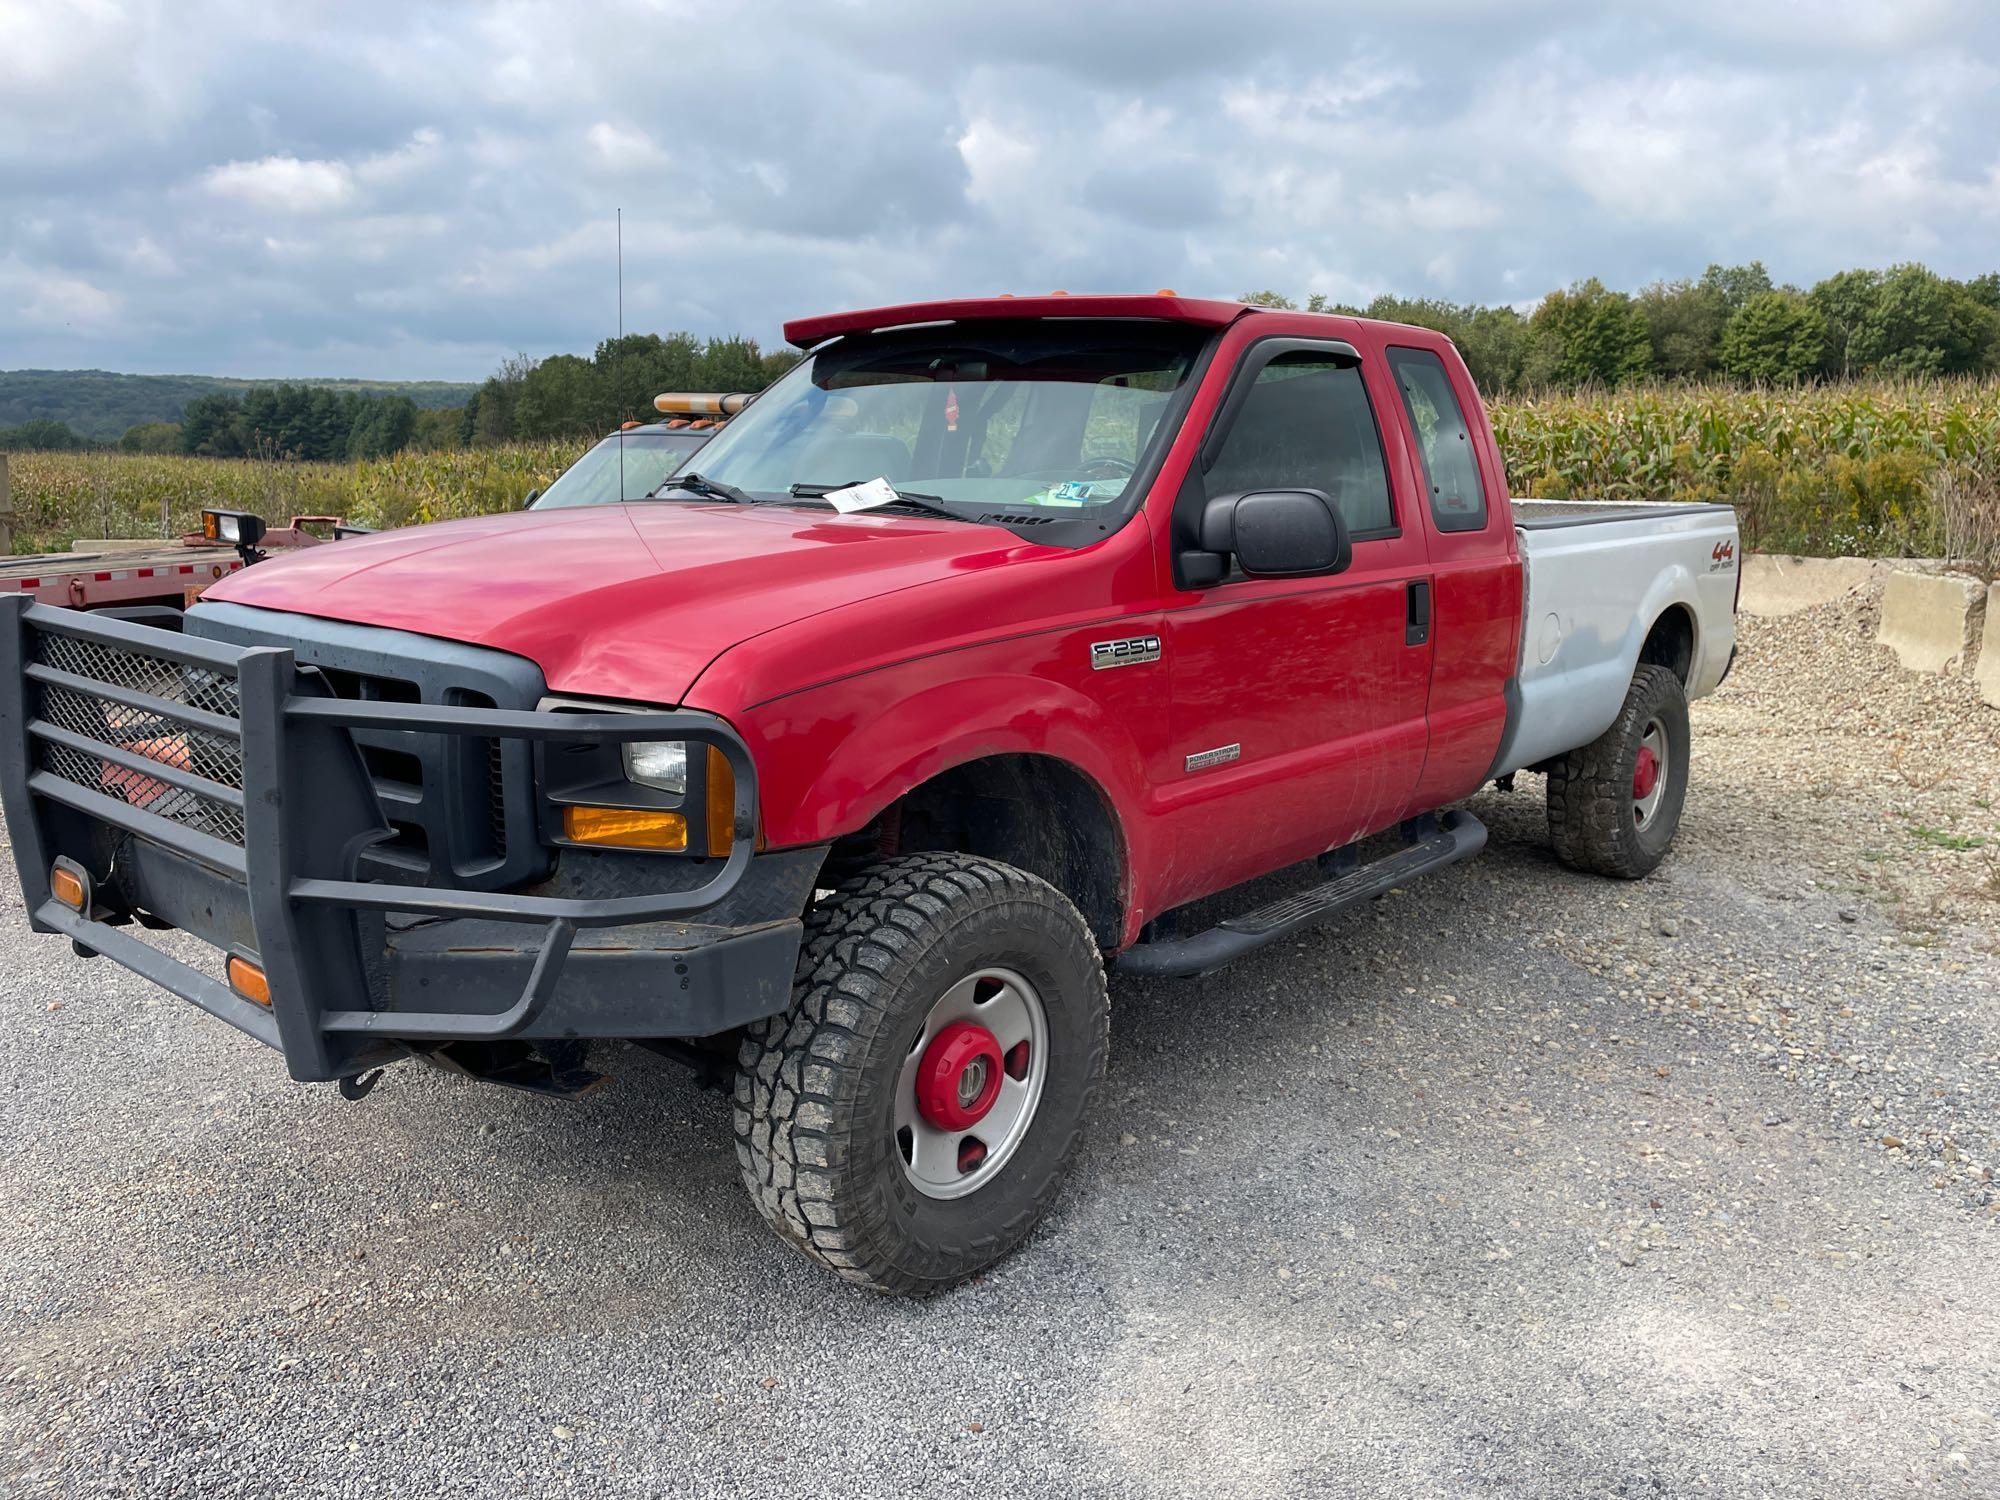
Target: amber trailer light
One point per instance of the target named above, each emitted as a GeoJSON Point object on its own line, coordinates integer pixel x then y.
{"type": "Point", "coordinates": [67, 887]}
{"type": "Point", "coordinates": [248, 981]}
{"type": "Point", "coordinates": [625, 828]}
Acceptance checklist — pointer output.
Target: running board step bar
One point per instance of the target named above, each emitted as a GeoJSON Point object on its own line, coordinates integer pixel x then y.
{"type": "Point", "coordinates": [1453, 836]}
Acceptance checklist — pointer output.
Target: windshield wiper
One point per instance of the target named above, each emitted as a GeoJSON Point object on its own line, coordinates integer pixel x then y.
{"type": "Point", "coordinates": [695, 484]}
{"type": "Point", "coordinates": [931, 504]}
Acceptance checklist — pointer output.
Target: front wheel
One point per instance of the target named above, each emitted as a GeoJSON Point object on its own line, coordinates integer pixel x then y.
{"type": "Point", "coordinates": [1615, 804]}
{"type": "Point", "coordinates": [909, 1118]}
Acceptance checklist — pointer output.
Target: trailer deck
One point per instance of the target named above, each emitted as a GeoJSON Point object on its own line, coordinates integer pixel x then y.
{"type": "Point", "coordinates": [96, 575]}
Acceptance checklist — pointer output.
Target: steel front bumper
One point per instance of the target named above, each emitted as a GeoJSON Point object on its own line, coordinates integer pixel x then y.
{"type": "Point", "coordinates": [217, 789]}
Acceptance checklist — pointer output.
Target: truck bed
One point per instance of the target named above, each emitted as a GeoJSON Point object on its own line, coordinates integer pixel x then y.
{"type": "Point", "coordinates": [1547, 515]}
{"type": "Point", "coordinates": [1597, 575]}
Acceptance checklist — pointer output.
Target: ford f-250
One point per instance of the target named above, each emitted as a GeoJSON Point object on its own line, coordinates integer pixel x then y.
{"type": "Point", "coordinates": [974, 652]}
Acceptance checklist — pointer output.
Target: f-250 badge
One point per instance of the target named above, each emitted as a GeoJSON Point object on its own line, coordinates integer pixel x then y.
{"type": "Point", "coordinates": [1129, 652]}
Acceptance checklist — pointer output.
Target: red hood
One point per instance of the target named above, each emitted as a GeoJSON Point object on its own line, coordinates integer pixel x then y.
{"type": "Point", "coordinates": [622, 601]}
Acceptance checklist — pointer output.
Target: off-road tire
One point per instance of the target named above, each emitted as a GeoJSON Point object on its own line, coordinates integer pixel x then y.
{"type": "Point", "coordinates": [1590, 790]}
{"type": "Point", "coordinates": [815, 1084]}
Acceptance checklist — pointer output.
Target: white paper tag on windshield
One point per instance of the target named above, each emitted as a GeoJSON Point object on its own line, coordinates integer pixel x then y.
{"type": "Point", "coordinates": [861, 496]}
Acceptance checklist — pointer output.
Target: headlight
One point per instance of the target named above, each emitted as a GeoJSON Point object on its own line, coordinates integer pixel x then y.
{"type": "Point", "coordinates": [658, 763]}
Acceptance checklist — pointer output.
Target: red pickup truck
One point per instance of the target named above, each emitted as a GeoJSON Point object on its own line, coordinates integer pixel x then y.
{"type": "Point", "coordinates": [956, 668]}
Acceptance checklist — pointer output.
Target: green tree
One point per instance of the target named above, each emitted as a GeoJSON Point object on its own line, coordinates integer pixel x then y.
{"type": "Point", "coordinates": [1588, 334]}
{"type": "Point", "coordinates": [493, 404]}
{"type": "Point", "coordinates": [1921, 324]}
{"type": "Point", "coordinates": [1732, 286]}
{"type": "Point", "coordinates": [1277, 300]}
{"type": "Point", "coordinates": [212, 426]}
{"type": "Point", "coordinates": [1846, 301]}
{"type": "Point", "coordinates": [1774, 338]}
{"type": "Point", "coordinates": [1684, 321]}
{"type": "Point", "coordinates": [561, 397]}
{"type": "Point", "coordinates": [151, 437]}
{"type": "Point", "coordinates": [41, 434]}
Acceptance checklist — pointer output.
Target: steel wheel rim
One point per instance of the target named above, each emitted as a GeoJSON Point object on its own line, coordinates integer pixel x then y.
{"type": "Point", "coordinates": [1653, 739]}
{"type": "Point", "coordinates": [1008, 1006]}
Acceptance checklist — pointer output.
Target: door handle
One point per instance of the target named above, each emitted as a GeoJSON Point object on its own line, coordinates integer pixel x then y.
{"type": "Point", "coordinates": [1417, 613]}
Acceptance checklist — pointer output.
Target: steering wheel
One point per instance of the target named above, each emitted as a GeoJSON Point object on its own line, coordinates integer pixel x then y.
{"type": "Point", "coordinates": [1104, 466]}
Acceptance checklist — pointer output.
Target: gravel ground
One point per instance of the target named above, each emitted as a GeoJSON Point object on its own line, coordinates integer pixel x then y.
{"type": "Point", "coordinates": [1520, 1183]}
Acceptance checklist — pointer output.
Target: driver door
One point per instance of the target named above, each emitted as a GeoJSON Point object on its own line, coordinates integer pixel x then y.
{"type": "Point", "coordinates": [1298, 716]}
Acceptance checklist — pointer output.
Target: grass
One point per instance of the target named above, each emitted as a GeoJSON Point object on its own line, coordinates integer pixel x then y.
{"type": "Point", "coordinates": [1938, 838]}
{"type": "Point", "coordinates": [1875, 468]}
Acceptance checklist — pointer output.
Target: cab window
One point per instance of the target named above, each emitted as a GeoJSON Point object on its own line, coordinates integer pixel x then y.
{"type": "Point", "coordinates": [1307, 425]}
{"type": "Point", "coordinates": [1444, 440]}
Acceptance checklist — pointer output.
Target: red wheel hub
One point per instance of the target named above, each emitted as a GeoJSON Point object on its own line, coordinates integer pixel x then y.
{"type": "Point", "coordinates": [959, 1078]}
{"type": "Point", "coordinates": [1645, 773]}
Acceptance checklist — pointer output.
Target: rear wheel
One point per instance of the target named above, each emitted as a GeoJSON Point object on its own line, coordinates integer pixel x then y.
{"type": "Point", "coordinates": [1615, 804]}
{"type": "Point", "coordinates": [909, 1119]}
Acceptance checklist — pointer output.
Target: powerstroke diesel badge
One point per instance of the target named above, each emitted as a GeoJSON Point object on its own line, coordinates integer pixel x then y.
{"type": "Point", "coordinates": [1129, 652]}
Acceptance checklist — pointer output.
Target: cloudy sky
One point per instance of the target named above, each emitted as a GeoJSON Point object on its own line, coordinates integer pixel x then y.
{"type": "Point", "coordinates": [416, 190]}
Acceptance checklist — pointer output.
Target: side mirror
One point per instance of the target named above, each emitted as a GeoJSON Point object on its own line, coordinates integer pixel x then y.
{"type": "Point", "coordinates": [533, 496]}
{"type": "Point", "coordinates": [1278, 533]}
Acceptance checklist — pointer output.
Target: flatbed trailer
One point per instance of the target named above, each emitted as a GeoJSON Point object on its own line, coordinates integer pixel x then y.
{"type": "Point", "coordinates": [98, 575]}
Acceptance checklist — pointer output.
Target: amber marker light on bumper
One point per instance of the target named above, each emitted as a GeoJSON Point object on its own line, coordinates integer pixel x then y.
{"type": "Point", "coordinates": [67, 887]}
{"type": "Point", "coordinates": [248, 981]}
{"type": "Point", "coordinates": [625, 828]}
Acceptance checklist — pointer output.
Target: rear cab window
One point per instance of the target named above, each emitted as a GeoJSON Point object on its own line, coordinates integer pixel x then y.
{"type": "Point", "coordinates": [1444, 440]}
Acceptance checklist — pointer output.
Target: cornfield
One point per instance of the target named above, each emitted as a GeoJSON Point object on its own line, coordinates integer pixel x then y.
{"type": "Point", "coordinates": [59, 497]}
{"type": "Point", "coordinates": [1879, 469]}
{"type": "Point", "coordinates": [1883, 469]}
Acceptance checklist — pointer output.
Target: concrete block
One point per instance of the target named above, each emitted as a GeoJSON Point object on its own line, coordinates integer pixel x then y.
{"type": "Point", "coordinates": [1776, 585]}
{"type": "Point", "coordinates": [1932, 620]}
{"type": "Point", "coordinates": [1986, 671]}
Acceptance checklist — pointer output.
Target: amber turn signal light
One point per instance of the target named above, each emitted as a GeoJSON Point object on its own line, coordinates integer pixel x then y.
{"type": "Point", "coordinates": [721, 804]}
{"type": "Point", "coordinates": [625, 828]}
{"type": "Point", "coordinates": [67, 887]}
{"type": "Point", "coordinates": [248, 981]}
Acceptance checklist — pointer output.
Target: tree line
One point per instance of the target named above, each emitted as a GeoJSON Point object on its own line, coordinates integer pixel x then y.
{"type": "Point", "coordinates": [567, 395]}
{"type": "Point", "coordinates": [1731, 323]}
{"type": "Point", "coordinates": [563, 396]}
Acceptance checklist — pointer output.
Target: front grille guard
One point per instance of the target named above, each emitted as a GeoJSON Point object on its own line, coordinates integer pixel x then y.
{"type": "Point", "coordinates": [305, 808]}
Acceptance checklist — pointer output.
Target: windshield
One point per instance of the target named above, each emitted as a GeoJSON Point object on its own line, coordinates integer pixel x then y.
{"type": "Point", "coordinates": [1053, 414]}
{"type": "Point", "coordinates": [595, 479]}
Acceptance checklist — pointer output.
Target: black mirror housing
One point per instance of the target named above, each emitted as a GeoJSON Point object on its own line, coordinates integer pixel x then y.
{"type": "Point", "coordinates": [1279, 533]}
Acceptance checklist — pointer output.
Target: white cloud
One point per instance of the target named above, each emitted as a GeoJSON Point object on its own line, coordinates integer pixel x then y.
{"type": "Point", "coordinates": [214, 185]}
{"type": "Point", "coordinates": [624, 149]}
{"type": "Point", "coordinates": [283, 183]}
{"type": "Point", "coordinates": [53, 301]}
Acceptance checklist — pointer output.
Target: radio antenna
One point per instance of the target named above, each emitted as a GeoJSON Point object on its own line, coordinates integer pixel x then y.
{"type": "Point", "coordinates": [621, 337]}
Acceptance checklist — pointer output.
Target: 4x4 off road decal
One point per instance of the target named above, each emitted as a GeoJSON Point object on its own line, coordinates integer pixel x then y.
{"type": "Point", "coordinates": [1129, 652]}
{"type": "Point", "coordinates": [1723, 558]}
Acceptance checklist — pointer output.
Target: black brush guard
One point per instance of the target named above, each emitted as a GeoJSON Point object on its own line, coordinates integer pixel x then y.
{"type": "Point", "coordinates": [264, 789]}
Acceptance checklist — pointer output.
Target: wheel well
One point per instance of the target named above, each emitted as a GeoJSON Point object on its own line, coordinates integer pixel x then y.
{"type": "Point", "coordinates": [1670, 643]}
{"type": "Point", "coordinates": [1033, 812]}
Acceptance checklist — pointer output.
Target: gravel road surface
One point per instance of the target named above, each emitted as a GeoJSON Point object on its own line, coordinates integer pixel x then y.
{"type": "Point", "coordinates": [1518, 1184]}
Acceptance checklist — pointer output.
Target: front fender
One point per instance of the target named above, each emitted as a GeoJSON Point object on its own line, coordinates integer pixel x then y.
{"type": "Point", "coordinates": [830, 759]}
